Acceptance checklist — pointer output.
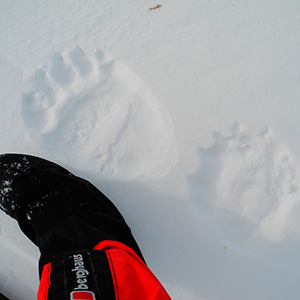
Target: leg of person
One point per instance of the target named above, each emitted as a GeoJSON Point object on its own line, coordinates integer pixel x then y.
{"type": "Point", "coordinates": [56, 210]}
{"type": "Point", "coordinates": [87, 249]}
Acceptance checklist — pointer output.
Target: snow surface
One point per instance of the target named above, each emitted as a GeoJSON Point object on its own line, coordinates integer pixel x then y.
{"type": "Point", "coordinates": [185, 115]}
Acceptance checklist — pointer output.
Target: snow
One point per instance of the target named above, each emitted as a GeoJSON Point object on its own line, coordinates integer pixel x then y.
{"type": "Point", "coordinates": [185, 115]}
{"type": "Point", "coordinates": [100, 108]}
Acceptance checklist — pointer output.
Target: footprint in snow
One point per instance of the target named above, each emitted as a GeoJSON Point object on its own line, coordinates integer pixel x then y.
{"type": "Point", "coordinates": [96, 114]}
{"type": "Point", "coordinates": [249, 185]}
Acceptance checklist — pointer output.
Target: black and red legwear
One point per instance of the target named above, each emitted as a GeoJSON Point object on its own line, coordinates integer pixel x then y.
{"type": "Point", "coordinates": [87, 249]}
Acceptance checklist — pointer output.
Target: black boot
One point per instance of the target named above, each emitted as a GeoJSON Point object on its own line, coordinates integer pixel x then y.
{"type": "Point", "coordinates": [57, 210]}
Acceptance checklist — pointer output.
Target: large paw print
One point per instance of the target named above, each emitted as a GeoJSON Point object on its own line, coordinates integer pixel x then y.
{"type": "Point", "coordinates": [251, 182]}
{"type": "Point", "coordinates": [98, 115]}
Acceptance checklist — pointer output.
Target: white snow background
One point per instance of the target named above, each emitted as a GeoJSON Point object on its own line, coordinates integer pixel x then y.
{"type": "Point", "coordinates": [185, 115]}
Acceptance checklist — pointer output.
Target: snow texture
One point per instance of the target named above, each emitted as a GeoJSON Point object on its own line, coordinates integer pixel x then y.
{"type": "Point", "coordinates": [100, 115]}
{"type": "Point", "coordinates": [185, 114]}
{"type": "Point", "coordinates": [250, 177]}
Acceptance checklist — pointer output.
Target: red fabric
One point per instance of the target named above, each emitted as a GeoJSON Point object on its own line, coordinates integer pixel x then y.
{"type": "Point", "coordinates": [44, 283]}
{"type": "Point", "coordinates": [82, 295]}
{"type": "Point", "coordinates": [133, 280]}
